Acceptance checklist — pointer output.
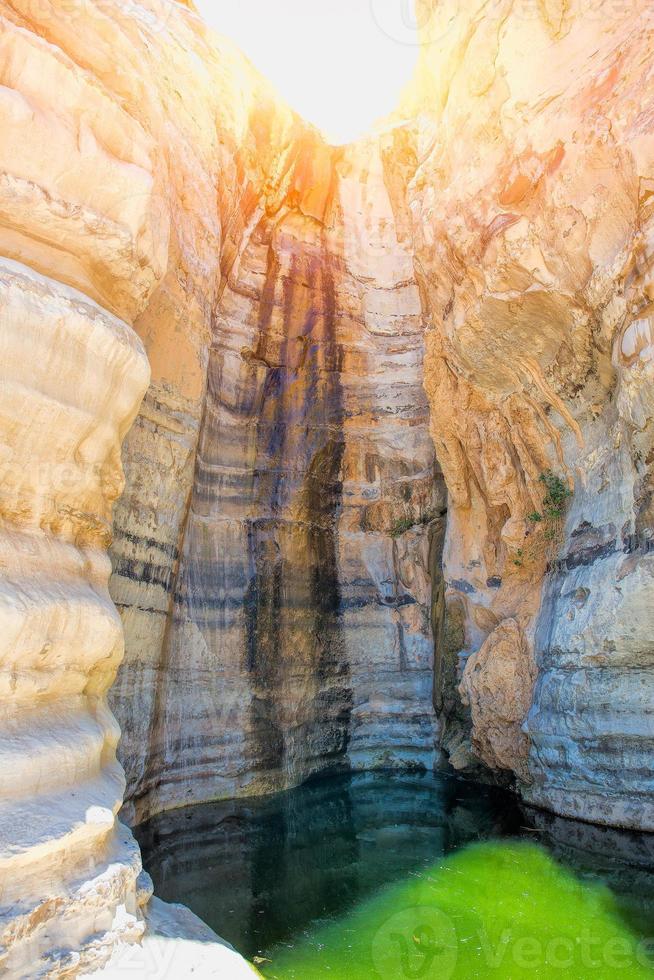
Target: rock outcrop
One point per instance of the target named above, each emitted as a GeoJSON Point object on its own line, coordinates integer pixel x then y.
{"type": "Point", "coordinates": [532, 215]}
{"type": "Point", "coordinates": [99, 175]}
{"type": "Point", "coordinates": [176, 941]}
{"type": "Point", "coordinates": [78, 258]}
{"type": "Point", "coordinates": [73, 376]}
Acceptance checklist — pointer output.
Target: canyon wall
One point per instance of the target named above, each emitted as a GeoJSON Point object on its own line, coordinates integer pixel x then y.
{"type": "Point", "coordinates": [72, 379]}
{"type": "Point", "coordinates": [479, 269]}
{"type": "Point", "coordinates": [272, 547]}
{"type": "Point", "coordinates": [77, 261]}
{"type": "Point", "coordinates": [280, 626]}
{"type": "Point", "coordinates": [111, 231]}
{"type": "Point", "coordinates": [532, 207]}
{"type": "Point", "coordinates": [298, 634]}
{"type": "Point", "coordinates": [274, 586]}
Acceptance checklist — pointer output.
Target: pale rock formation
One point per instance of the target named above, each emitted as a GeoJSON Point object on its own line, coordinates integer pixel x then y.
{"type": "Point", "coordinates": [86, 206]}
{"type": "Point", "coordinates": [180, 197]}
{"type": "Point", "coordinates": [531, 202]}
{"type": "Point", "coordinates": [73, 376]}
{"type": "Point", "coordinates": [277, 552]}
{"type": "Point", "coordinates": [178, 944]}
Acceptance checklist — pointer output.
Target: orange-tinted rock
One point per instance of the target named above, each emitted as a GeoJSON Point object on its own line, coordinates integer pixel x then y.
{"type": "Point", "coordinates": [497, 686]}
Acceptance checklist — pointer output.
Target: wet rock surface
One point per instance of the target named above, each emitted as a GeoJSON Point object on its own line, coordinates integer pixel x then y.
{"type": "Point", "coordinates": [299, 638]}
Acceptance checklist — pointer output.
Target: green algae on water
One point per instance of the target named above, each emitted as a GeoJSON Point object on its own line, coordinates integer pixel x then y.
{"type": "Point", "coordinates": [504, 910]}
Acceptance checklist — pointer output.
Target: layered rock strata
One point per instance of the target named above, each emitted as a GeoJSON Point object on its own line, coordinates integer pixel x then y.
{"type": "Point", "coordinates": [274, 586]}
{"type": "Point", "coordinates": [78, 260]}
{"type": "Point", "coordinates": [532, 212]}
{"type": "Point", "coordinates": [97, 176]}
{"type": "Point", "coordinates": [298, 637]}
{"type": "Point", "coordinates": [73, 376]}
{"type": "Point", "coordinates": [282, 525]}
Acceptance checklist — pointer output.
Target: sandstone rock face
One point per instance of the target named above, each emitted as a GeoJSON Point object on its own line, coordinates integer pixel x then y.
{"type": "Point", "coordinates": [298, 637]}
{"type": "Point", "coordinates": [532, 215]}
{"type": "Point", "coordinates": [97, 178]}
{"type": "Point", "coordinates": [271, 550]}
{"type": "Point", "coordinates": [78, 261]}
{"type": "Point", "coordinates": [497, 686]}
{"type": "Point", "coordinates": [72, 379]}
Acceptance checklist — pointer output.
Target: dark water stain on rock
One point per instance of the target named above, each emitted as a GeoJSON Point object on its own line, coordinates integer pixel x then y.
{"type": "Point", "coordinates": [292, 615]}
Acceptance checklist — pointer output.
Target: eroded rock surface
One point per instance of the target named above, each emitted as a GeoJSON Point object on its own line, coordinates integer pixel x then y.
{"type": "Point", "coordinates": [73, 376]}
{"type": "Point", "coordinates": [90, 225]}
{"type": "Point", "coordinates": [298, 636]}
{"type": "Point", "coordinates": [516, 186]}
{"type": "Point", "coordinates": [479, 270]}
{"type": "Point", "coordinates": [533, 222]}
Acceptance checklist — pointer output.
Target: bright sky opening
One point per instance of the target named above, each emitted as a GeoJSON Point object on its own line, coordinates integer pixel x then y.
{"type": "Point", "coordinates": [341, 64]}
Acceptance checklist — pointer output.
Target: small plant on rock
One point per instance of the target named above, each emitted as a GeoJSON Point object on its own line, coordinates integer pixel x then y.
{"type": "Point", "coordinates": [405, 524]}
{"type": "Point", "coordinates": [557, 494]}
{"type": "Point", "coordinates": [548, 522]}
{"type": "Point", "coordinates": [401, 526]}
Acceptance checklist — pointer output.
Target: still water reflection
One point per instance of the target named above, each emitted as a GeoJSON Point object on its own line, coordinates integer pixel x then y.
{"type": "Point", "coordinates": [393, 876]}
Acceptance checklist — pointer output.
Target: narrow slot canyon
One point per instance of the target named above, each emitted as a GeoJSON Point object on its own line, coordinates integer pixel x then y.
{"type": "Point", "coordinates": [326, 482]}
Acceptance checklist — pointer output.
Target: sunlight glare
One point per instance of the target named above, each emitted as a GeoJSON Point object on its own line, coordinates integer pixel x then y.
{"type": "Point", "coordinates": [341, 64]}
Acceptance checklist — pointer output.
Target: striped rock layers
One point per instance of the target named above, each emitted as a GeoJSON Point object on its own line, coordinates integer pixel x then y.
{"type": "Point", "coordinates": [298, 637]}
{"type": "Point", "coordinates": [73, 376]}
{"type": "Point", "coordinates": [532, 214]}
{"type": "Point", "coordinates": [277, 551]}
{"type": "Point", "coordinates": [92, 172]}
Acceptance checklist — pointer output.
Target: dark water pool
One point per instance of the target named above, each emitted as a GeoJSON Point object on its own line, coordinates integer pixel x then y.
{"type": "Point", "coordinates": [394, 876]}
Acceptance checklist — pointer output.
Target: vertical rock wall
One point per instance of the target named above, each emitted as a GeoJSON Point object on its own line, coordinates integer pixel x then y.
{"type": "Point", "coordinates": [99, 165]}
{"type": "Point", "coordinates": [271, 549]}
{"type": "Point", "coordinates": [72, 379]}
{"type": "Point", "coordinates": [532, 215]}
{"type": "Point", "coordinates": [78, 260]}
{"type": "Point", "coordinates": [300, 637]}
{"type": "Point", "coordinates": [279, 539]}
